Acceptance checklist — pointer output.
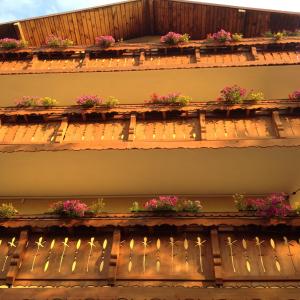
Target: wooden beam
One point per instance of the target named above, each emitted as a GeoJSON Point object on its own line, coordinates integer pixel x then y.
{"type": "Point", "coordinates": [278, 124]}
{"type": "Point", "coordinates": [151, 16]}
{"type": "Point", "coordinates": [114, 257]}
{"type": "Point", "coordinates": [17, 258]}
{"type": "Point", "coordinates": [202, 126]}
{"type": "Point", "coordinates": [197, 55]}
{"type": "Point", "coordinates": [132, 125]}
{"type": "Point", "coordinates": [217, 263]}
{"type": "Point", "coordinates": [142, 57]}
{"type": "Point", "coordinates": [61, 130]}
{"type": "Point", "coordinates": [20, 31]}
{"type": "Point", "coordinates": [254, 53]}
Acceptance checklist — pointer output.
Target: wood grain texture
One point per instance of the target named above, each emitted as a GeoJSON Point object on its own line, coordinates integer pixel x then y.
{"type": "Point", "coordinates": [151, 126]}
{"type": "Point", "coordinates": [150, 17]}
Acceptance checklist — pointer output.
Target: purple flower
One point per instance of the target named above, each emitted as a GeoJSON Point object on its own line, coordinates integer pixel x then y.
{"type": "Point", "coordinates": [8, 43]}
{"type": "Point", "coordinates": [72, 208]}
{"type": "Point", "coordinates": [221, 36]}
{"type": "Point", "coordinates": [162, 203]}
{"type": "Point", "coordinates": [232, 94]}
{"type": "Point", "coordinates": [89, 100]}
{"type": "Point", "coordinates": [171, 98]}
{"type": "Point", "coordinates": [27, 101]}
{"type": "Point", "coordinates": [56, 41]}
{"type": "Point", "coordinates": [295, 95]}
{"type": "Point", "coordinates": [273, 205]}
{"type": "Point", "coordinates": [105, 41]}
{"type": "Point", "coordinates": [174, 38]}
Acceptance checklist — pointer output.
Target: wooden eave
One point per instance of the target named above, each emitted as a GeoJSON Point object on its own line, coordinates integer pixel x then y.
{"type": "Point", "coordinates": [109, 221]}
{"type": "Point", "coordinates": [132, 19]}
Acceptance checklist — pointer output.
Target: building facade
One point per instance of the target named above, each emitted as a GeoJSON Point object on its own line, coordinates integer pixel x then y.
{"type": "Point", "coordinates": [185, 152]}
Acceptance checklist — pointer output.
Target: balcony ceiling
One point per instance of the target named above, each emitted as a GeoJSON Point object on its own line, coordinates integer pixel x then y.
{"type": "Point", "coordinates": [133, 19]}
{"type": "Point", "coordinates": [181, 171]}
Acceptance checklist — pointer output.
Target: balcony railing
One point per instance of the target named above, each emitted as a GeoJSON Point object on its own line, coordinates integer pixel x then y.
{"type": "Point", "coordinates": [147, 249]}
{"type": "Point", "coordinates": [211, 124]}
{"type": "Point", "coordinates": [151, 56]}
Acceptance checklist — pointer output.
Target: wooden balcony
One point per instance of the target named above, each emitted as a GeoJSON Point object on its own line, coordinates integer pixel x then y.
{"type": "Point", "coordinates": [151, 56]}
{"type": "Point", "coordinates": [198, 125]}
{"type": "Point", "coordinates": [218, 254]}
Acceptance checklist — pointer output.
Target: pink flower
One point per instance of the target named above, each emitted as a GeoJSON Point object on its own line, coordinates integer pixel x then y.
{"type": "Point", "coordinates": [104, 41]}
{"type": "Point", "coordinates": [73, 208]}
{"type": "Point", "coordinates": [220, 36]}
{"type": "Point", "coordinates": [232, 94]}
{"type": "Point", "coordinates": [295, 95]}
{"type": "Point", "coordinates": [89, 100]}
{"type": "Point", "coordinates": [173, 38]}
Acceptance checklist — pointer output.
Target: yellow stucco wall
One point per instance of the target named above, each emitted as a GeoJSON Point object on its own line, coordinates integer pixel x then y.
{"type": "Point", "coordinates": [136, 86]}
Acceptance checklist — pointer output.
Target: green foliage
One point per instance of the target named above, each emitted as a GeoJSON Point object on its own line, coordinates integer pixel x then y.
{"type": "Point", "coordinates": [47, 101]}
{"type": "Point", "coordinates": [97, 207]}
{"type": "Point", "coordinates": [135, 207]}
{"type": "Point", "coordinates": [278, 36]}
{"type": "Point", "coordinates": [7, 210]}
{"type": "Point", "coordinates": [237, 37]}
{"type": "Point", "coordinates": [239, 201]}
{"type": "Point", "coordinates": [111, 102]}
{"type": "Point", "coordinates": [255, 96]}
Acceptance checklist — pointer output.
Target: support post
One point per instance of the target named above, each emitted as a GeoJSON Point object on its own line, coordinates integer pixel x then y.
{"type": "Point", "coordinates": [132, 125]}
{"type": "Point", "coordinates": [197, 55]}
{"type": "Point", "coordinates": [217, 263]}
{"type": "Point", "coordinates": [202, 126]}
{"type": "Point", "coordinates": [20, 31]}
{"type": "Point", "coordinates": [114, 257]}
{"type": "Point", "coordinates": [278, 125]}
{"type": "Point", "coordinates": [61, 130]}
{"type": "Point", "coordinates": [254, 53]}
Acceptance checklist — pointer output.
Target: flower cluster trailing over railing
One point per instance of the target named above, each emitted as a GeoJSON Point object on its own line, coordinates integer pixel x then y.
{"type": "Point", "coordinates": [230, 94]}
{"type": "Point", "coordinates": [168, 203]}
{"type": "Point", "coordinates": [33, 101]}
{"type": "Point", "coordinates": [56, 41]}
{"type": "Point", "coordinates": [162, 203]}
{"type": "Point", "coordinates": [174, 38]}
{"type": "Point", "coordinates": [69, 208]}
{"type": "Point", "coordinates": [169, 99]}
{"type": "Point", "coordinates": [7, 210]}
{"type": "Point", "coordinates": [223, 36]}
{"type": "Point", "coordinates": [295, 95]}
{"type": "Point", "coordinates": [105, 41]}
{"type": "Point", "coordinates": [8, 43]}
{"type": "Point", "coordinates": [273, 205]}
{"type": "Point", "coordinates": [236, 94]}
{"type": "Point", "coordinates": [89, 101]}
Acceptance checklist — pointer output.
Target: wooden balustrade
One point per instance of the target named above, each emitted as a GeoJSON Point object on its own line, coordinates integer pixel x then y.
{"type": "Point", "coordinates": [197, 125]}
{"type": "Point", "coordinates": [144, 56]}
{"type": "Point", "coordinates": [183, 249]}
